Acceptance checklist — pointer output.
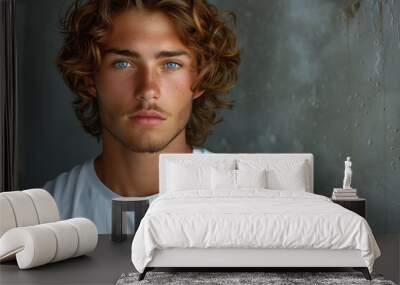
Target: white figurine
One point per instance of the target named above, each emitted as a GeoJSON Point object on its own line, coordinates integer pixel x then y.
{"type": "Point", "coordinates": [347, 174]}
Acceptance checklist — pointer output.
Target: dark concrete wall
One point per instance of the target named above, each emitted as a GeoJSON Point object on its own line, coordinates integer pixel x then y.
{"type": "Point", "coordinates": [50, 137]}
{"type": "Point", "coordinates": [316, 76]}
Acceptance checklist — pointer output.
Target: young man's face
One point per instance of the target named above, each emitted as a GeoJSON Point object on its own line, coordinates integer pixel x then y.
{"type": "Point", "coordinates": [144, 82]}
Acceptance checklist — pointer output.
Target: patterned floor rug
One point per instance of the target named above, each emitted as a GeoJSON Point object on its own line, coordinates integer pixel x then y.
{"type": "Point", "coordinates": [244, 278]}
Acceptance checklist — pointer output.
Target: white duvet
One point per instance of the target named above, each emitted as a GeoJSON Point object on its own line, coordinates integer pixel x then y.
{"type": "Point", "coordinates": [252, 218]}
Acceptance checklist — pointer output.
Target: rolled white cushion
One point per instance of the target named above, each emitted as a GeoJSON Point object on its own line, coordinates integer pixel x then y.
{"type": "Point", "coordinates": [23, 208]}
{"type": "Point", "coordinates": [33, 246]}
{"type": "Point", "coordinates": [26, 208]}
{"type": "Point", "coordinates": [40, 244]}
{"type": "Point", "coordinates": [67, 240]}
{"type": "Point", "coordinates": [46, 207]}
{"type": "Point", "coordinates": [87, 235]}
{"type": "Point", "coordinates": [7, 218]}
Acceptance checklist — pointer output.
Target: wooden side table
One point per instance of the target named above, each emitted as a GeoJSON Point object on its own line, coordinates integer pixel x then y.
{"type": "Point", "coordinates": [358, 205]}
{"type": "Point", "coordinates": [120, 206]}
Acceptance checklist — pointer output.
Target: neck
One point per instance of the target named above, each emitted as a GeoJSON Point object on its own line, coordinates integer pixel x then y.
{"type": "Point", "coordinates": [129, 173]}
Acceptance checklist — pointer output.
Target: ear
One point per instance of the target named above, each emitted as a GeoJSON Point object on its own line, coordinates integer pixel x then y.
{"type": "Point", "coordinates": [90, 85]}
{"type": "Point", "coordinates": [92, 91]}
{"type": "Point", "coordinates": [197, 94]}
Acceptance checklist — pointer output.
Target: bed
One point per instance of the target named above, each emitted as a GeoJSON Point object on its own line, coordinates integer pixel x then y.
{"type": "Point", "coordinates": [245, 211]}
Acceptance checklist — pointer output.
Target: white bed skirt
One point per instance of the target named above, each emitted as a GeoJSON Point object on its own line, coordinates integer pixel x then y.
{"type": "Point", "coordinates": [225, 257]}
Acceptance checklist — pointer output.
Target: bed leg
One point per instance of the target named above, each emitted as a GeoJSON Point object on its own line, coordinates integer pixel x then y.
{"type": "Point", "coordinates": [364, 271]}
{"type": "Point", "coordinates": [143, 274]}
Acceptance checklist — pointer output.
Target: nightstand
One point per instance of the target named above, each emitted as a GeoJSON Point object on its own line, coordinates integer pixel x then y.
{"type": "Point", "coordinates": [358, 206]}
{"type": "Point", "coordinates": [122, 205]}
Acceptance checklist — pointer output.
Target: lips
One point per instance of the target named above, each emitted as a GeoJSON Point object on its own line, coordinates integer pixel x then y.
{"type": "Point", "coordinates": [149, 114]}
{"type": "Point", "coordinates": [148, 117]}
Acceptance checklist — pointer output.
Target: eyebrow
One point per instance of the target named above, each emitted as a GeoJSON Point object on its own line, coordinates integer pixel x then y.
{"type": "Point", "coordinates": [134, 54]}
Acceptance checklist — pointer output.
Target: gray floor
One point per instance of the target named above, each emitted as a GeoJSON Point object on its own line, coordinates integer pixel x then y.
{"type": "Point", "coordinates": [389, 262]}
{"type": "Point", "coordinates": [110, 260]}
{"type": "Point", "coordinates": [103, 266]}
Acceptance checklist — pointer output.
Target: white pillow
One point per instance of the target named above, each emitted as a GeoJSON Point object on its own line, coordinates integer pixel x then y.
{"type": "Point", "coordinates": [183, 178]}
{"type": "Point", "coordinates": [188, 174]}
{"type": "Point", "coordinates": [251, 178]}
{"type": "Point", "coordinates": [236, 179]}
{"type": "Point", "coordinates": [223, 179]}
{"type": "Point", "coordinates": [291, 179]}
{"type": "Point", "coordinates": [281, 174]}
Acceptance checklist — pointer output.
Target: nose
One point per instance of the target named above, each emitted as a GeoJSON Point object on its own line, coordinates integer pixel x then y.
{"type": "Point", "coordinates": [148, 85]}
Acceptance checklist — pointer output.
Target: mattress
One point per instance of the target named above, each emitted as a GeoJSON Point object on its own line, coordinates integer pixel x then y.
{"type": "Point", "coordinates": [250, 219]}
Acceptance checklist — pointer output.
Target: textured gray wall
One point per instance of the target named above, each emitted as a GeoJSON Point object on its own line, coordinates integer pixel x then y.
{"type": "Point", "coordinates": [316, 76]}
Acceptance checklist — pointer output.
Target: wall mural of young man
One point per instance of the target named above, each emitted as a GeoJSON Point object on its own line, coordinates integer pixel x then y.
{"type": "Point", "coordinates": [149, 77]}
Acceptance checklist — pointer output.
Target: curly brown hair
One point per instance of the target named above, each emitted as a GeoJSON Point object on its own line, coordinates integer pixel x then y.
{"type": "Point", "coordinates": [199, 25]}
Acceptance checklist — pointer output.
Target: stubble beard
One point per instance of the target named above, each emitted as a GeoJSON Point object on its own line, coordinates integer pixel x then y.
{"type": "Point", "coordinates": [148, 147]}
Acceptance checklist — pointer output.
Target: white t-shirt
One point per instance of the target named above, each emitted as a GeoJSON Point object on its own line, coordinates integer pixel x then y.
{"type": "Point", "coordinates": [80, 193]}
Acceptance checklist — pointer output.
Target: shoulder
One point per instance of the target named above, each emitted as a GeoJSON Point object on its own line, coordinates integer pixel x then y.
{"type": "Point", "coordinates": [68, 187]}
{"type": "Point", "coordinates": [200, 150]}
{"type": "Point", "coordinates": [67, 181]}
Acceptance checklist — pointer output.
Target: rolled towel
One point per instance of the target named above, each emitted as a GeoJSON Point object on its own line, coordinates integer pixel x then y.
{"type": "Point", "coordinates": [40, 244]}
{"type": "Point", "coordinates": [26, 208]}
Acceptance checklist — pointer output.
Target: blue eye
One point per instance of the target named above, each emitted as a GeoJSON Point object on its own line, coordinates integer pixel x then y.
{"type": "Point", "coordinates": [121, 64]}
{"type": "Point", "coordinates": [172, 65]}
